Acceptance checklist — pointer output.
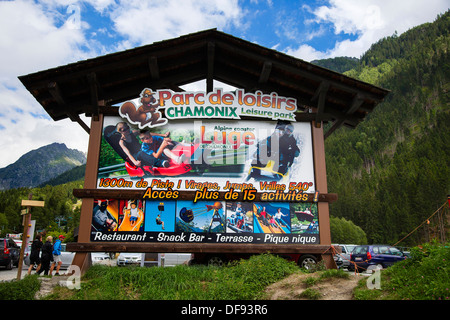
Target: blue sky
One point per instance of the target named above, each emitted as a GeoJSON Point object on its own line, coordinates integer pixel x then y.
{"type": "Point", "coordinates": [41, 34]}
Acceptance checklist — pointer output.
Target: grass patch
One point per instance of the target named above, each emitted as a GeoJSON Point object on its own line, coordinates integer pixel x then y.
{"type": "Point", "coordinates": [311, 294]}
{"type": "Point", "coordinates": [334, 273]}
{"type": "Point", "coordinates": [325, 275]}
{"type": "Point", "coordinates": [240, 280]}
{"type": "Point", "coordinates": [24, 289]}
{"type": "Point", "coordinates": [310, 281]}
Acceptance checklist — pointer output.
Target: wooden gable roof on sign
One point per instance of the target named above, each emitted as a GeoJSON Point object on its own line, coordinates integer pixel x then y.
{"type": "Point", "coordinates": [85, 87]}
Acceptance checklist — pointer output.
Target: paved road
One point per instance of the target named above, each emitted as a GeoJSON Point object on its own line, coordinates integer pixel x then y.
{"type": "Point", "coordinates": [7, 275]}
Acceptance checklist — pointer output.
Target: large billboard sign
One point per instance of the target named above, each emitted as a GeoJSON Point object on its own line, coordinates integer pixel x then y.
{"type": "Point", "coordinates": [167, 143]}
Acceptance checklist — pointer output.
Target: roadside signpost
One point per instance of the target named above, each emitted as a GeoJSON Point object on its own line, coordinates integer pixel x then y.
{"type": "Point", "coordinates": [27, 214]}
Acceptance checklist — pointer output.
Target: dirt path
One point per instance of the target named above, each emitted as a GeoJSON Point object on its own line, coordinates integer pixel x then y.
{"type": "Point", "coordinates": [47, 285]}
{"type": "Point", "coordinates": [293, 287]}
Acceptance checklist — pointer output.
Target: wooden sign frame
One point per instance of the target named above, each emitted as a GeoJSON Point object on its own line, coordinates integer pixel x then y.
{"type": "Point", "coordinates": [90, 192]}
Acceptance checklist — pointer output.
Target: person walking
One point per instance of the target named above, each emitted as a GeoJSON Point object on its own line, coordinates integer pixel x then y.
{"type": "Point", "coordinates": [47, 256]}
{"type": "Point", "coordinates": [57, 255]}
{"type": "Point", "coordinates": [35, 258]}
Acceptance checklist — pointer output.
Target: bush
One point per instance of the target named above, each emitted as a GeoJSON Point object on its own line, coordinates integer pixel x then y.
{"type": "Point", "coordinates": [24, 289]}
{"type": "Point", "coordinates": [423, 276]}
{"type": "Point", "coordinates": [345, 231]}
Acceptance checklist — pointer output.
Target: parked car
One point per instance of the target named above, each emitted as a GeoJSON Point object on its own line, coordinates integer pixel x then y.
{"type": "Point", "coordinates": [343, 259]}
{"type": "Point", "coordinates": [9, 253]}
{"type": "Point", "coordinates": [100, 258]}
{"type": "Point", "coordinates": [375, 255]}
{"type": "Point", "coordinates": [338, 260]}
{"type": "Point", "coordinates": [127, 258]}
{"type": "Point", "coordinates": [66, 257]}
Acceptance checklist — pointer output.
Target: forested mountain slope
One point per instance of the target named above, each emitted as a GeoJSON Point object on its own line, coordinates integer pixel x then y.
{"type": "Point", "coordinates": [40, 165]}
{"type": "Point", "coordinates": [392, 171]}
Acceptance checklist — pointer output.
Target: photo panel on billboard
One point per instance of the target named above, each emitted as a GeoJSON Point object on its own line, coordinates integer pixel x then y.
{"type": "Point", "coordinates": [160, 216]}
{"type": "Point", "coordinates": [239, 217]}
{"type": "Point", "coordinates": [271, 217]}
{"type": "Point", "coordinates": [304, 218]}
{"type": "Point", "coordinates": [264, 155]}
{"type": "Point", "coordinates": [200, 217]}
{"type": "Point", "coordinates": [105, 215]}
{"type": "Point", "coordinates": [118, 215]}
{"type": "Point", "coordinates": [131, 215]}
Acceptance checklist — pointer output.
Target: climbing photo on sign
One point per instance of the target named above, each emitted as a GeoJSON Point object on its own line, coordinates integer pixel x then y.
{"type": "Point", "coordinates": [160, 216]}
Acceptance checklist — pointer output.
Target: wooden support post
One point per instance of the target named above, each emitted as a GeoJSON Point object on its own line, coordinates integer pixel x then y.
{"type": "Point", "coordinates": [82, 259]}
{"type": "Point", "coordinates": [321, 96]}
{"type": "Point", "coordinates": [321, 186]}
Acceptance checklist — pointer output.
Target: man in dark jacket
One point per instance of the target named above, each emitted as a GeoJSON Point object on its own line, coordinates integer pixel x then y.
{"type": "Point", "coordinates": [35, 258]}
{"type": "Point", "coordinates": [47, 256]}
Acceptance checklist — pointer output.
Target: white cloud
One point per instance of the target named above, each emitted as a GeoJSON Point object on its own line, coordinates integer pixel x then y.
{"type": "Point", "coordinates": [306, 52]}
{"type": "Point", "coordinates": [370, 20]}
{"type": "Point", "coordinates": [30, 41]}
{"type": "Point", "coordinates": [143, 22]}
{"type": "Point", "coordinates": [37, 35]}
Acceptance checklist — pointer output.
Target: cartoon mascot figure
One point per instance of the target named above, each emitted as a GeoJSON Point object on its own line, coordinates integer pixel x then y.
{"type": "Point", "coordinates": [146, 114]}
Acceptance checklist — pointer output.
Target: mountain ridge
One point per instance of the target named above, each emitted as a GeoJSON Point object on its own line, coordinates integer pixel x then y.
{"type": "Point", "coordinates": [40, 165]}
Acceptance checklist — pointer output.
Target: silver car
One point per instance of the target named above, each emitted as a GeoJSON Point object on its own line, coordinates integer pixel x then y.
{"type": "Point", "coordinates": [100, 258]}
{"type": "Point", "coordinates": [66, 257]}
{"type": "Point", "coordinates": [127, 258]}
{"type": "Point", "coordinates": [345, 255]}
